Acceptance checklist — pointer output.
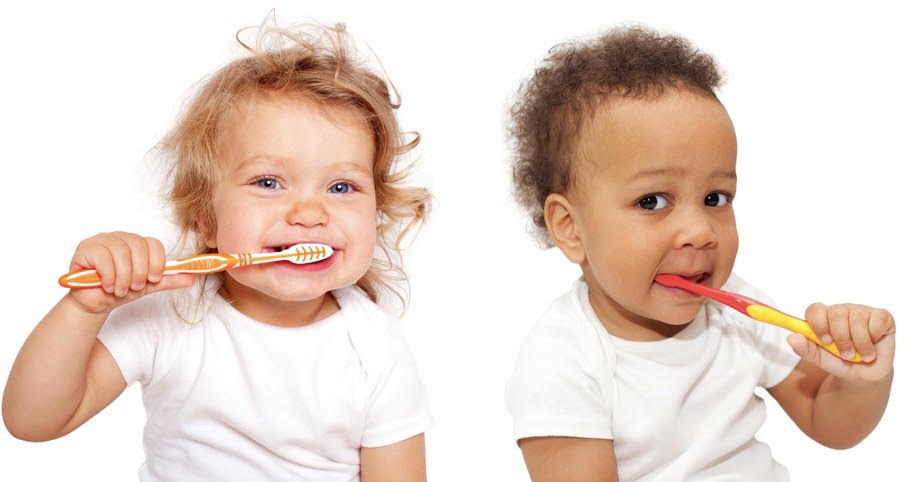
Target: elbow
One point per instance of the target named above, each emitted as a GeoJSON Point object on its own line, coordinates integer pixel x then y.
{"type": "Point", "coordinates": [21, 433]}
{"type": "Point", "coordinates": [840, 443]}
{"type": "Point", "coordinates": [840, 446]}
{"type": "Point", "coordinates": [28, 436]}
{"type": "Point", "coordinates": [24, 431]}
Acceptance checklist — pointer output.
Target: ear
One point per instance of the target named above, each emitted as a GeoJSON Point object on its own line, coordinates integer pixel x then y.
{"type": "Point", "coordinates": [559, 219]}
{"type": "Point", "coordinates": [208, 232]}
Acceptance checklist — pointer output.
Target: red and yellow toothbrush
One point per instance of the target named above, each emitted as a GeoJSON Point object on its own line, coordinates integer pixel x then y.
{"type": "Point", "coordinates": [214, 262]}
{"type": "Point", "coordinates": [753, 308]}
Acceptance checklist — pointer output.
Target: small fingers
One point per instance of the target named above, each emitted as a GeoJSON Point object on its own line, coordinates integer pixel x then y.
{"type": "Point", "coordinates": [838, 322]}
{"type": "Point", "coordinates": [156, 260]}
{"type": "Point", "coordinates": [859, 330]}
{"type": "Point", "coordinates": [881, 323]}
{"type": "Point", "coordinates": [139, 259]}
{"type": "Point", "coordinates": [816, 316]}
{"type": "Point", "coordinates": [123, 264]}
{"type": "Point", "coordinates": [98, 257]}
{"type": "Point", "coordinates": [812, 353]}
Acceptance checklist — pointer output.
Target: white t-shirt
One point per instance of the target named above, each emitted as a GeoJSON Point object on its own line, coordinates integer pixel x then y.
{"type": "Point", "coordinates": [231, 398]}
{"type": "Point", "coordinates": [683, 408]}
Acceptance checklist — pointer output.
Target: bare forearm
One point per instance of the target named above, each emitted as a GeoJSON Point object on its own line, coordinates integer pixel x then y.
{"type": "Point", "coordinates": [48, 380]}
{"type": "Point", "coordinates": [846, 411]}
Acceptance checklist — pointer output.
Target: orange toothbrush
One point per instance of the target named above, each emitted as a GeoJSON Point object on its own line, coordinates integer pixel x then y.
{"type": "Point", "coordinates": [214, 262]}
{"type": "Point", "coordinates": [753, 308]}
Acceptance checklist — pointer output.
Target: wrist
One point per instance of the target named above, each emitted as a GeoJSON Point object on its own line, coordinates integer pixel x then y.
{"type": "Point", "coordinates": [82, 312]}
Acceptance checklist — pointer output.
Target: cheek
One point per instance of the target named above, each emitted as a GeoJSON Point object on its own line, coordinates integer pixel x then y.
{"type": "Point", "coordinates": [729, 245]}
{"type": "Point", "coordinates": [237, 228]}
{"type": "Point", "coordinates": [362, 227]}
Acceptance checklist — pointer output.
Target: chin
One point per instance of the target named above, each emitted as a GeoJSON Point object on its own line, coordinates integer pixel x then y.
{"type": "Point", "coordinates": [680, 316]}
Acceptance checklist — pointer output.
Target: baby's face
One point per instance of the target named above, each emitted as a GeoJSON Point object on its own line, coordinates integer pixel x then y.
{"type": "Point", "coordinates": [294, 173]}
{"type": "Point", "coordinates": [654, 184]}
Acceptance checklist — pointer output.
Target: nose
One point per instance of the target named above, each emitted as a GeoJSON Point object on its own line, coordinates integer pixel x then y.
{"type": "Point", "coordinates": [696, 229]}
{"type": "Point", "coordinates": [307, 212]}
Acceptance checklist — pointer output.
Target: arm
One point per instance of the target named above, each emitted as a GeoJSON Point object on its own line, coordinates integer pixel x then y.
{"type": "Point", "coordinates": [63, 375]}
{"type": "Point", "coordinates": [402, 461]}
{"type": "Point", "coordinates": [569, 459]}
{"type": "Point", "coordinates": [835, 402]}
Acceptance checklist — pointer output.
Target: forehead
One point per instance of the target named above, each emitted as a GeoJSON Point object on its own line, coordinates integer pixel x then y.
{"type": "Point", "coordinates": [679, 131]}
{"type": "Point", "coordinates": [286, 126]}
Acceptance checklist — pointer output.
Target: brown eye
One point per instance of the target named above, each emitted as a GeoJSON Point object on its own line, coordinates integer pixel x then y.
{"type": "Point", "coordinates": [716, 199]}
{"type": "Point", "coordinates": [653, 202]}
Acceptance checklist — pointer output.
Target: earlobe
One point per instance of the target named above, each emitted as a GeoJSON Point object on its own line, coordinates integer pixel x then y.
{"type": "Point", "coordinates": [559, 219]}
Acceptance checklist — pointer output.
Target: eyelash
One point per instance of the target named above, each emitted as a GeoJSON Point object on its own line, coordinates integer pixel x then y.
{"type": "Point", "coordinates": [351, 186]}
{"type": "Point", "coordinates": [259, 180]}
{"type": "Point", "coordinates": [666, 197]}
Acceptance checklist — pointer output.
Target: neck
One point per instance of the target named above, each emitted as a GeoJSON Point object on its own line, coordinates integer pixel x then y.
{"type": "Point", "coordinates": [272, 311]}
{"type": "Point", "coordinates": [623, 323]}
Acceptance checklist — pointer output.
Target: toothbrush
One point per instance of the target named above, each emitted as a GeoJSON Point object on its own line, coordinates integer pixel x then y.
{"type": "Point", "coordinates": [302, 253]}
{"type": "Point", "coordinates": [753, 308]}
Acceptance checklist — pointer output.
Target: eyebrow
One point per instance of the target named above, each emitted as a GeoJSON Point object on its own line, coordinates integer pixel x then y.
{"type": "Point", "coordinates": [679, 171]}
{"type": "Point", "coordinates": [281, 160]}
{"type": "Point", "coordinates": [259, 159]}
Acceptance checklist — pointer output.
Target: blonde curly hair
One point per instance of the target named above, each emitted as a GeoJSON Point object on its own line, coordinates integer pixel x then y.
{"type": "Point", "coordinates": [313, 62]}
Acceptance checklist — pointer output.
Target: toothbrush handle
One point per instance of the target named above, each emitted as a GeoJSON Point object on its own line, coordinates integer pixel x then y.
{"type": "Point", "coordinates": [762, 312]}
{"type": "Point", "coordinates": [199, 264]}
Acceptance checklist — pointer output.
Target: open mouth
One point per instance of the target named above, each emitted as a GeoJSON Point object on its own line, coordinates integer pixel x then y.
{"type": "Point", "coordinates": [701, 277]}
{"type": "Point", "coordinates": [698, 278]}
{"type": "Point", "coordinates": [280, 248]}
{"type": "Point", "coordinates": [307, 263]}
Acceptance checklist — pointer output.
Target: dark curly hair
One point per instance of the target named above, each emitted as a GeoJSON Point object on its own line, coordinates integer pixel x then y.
{"type": "Point", "coordinates": [575, 77]}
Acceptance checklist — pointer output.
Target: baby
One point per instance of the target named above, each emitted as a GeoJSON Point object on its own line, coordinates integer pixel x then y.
{"type": "Point", "coordinates": [288, 372]}
{"type": "Point", "coordinates": [625, 159]}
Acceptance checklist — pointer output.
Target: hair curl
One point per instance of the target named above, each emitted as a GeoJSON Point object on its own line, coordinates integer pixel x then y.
{"type": "Point", "coordinates": [319, 64]}
{"type": "Point", "coordinates": [575, 78]}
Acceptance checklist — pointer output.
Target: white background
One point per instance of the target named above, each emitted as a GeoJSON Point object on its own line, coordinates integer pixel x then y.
{"type": "Point", "coordinates": [820, 97]}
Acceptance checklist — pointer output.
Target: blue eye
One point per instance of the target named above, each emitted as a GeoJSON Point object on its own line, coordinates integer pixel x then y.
{"type": "Point", "coordinates": [716, 199]}
{"type": "Point", "coordinates": [653, 202]}
{"type": "Point", "coordinates": [341, 188]}
{"type": "Point", "coordinates": [268, 183]}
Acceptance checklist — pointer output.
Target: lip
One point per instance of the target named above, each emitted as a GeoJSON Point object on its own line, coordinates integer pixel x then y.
{"type": "Point", "coordinates": [280, 246]}
{"type": "Point", "coordinates": [312, 267]}
{"type": "Point", "coordinates": [700, 277]}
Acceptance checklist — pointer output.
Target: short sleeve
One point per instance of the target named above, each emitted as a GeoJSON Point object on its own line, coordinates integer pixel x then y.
{"type": "Point", "coordinates": [396, 405]}
{"type": "Point", "coordinates": [557, 389]}
{"type": "Point", "coordinates": [130, 336]}
{"type": "Point", "coordinates": [779, 357]}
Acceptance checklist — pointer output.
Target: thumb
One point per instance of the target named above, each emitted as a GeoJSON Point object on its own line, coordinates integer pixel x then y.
{"type": "Point", "coordinates": [814, 354]}
{"type": "Point", "coordinates": [170, 282]}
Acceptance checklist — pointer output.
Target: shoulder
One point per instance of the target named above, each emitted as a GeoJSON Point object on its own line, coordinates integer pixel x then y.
{"type": "Point", "coordinates": [733, 317]}
{"type": "Point", "coordinates": [564, 348]}
{"type": "Point", "coordinates": [766, 340]}
{"type": "Point", "coordinates": [563, 378]}
{"type": "Point", "coordinates": [565, 331]}
{"type": "Point", "coordinates": [375, 337]}
{"type": "Point", "coordinates": [736, 284]}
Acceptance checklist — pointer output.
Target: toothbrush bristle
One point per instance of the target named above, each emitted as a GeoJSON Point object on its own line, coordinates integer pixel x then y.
{"type": "Point", "coordinates": [309, 252]}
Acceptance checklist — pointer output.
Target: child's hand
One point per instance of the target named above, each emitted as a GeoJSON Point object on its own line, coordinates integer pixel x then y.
{"type": "Point", "coordinates": [130, 266]}
{"type": "Point", "coordinates": [855, 328]}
